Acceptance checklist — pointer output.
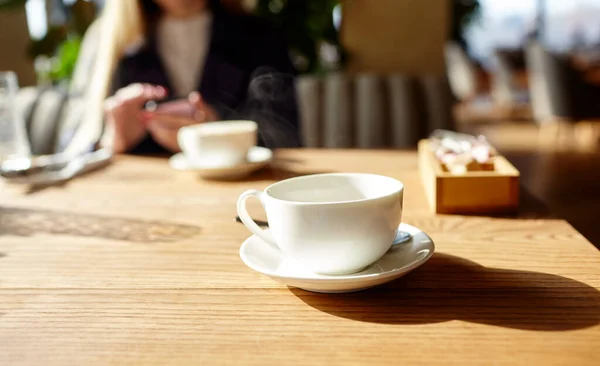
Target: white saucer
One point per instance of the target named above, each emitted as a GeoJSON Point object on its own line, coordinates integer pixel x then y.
{"type": "Point", "coordinates": [258, 157]}
{"type": "Point", "coordinates": [398, 261]}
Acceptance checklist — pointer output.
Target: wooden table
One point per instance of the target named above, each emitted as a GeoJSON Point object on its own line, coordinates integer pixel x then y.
{"type": "Point", "coordinates": [138, 264]}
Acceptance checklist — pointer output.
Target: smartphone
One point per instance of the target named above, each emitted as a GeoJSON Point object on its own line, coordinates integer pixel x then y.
{"type": "Point", "coordinates": [172, 105]}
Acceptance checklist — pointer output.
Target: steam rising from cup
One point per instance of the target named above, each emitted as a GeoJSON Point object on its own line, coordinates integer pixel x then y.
{"type": "Point", "coordinates": [271, 103]}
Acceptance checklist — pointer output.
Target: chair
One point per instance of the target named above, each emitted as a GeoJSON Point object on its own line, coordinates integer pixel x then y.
{"type": "Point", "coordinates": [45, 109]}
{"type": "Point", "coordinates": [560, 96]}
{"type": "Point", "coordinates": [505, 88]}
{"type": "Point", "coordinates": [469, 85]}
{"type": "Point", "coordinates": [462, 73]}
{"type": "Point", "coordinates": [372, 111]}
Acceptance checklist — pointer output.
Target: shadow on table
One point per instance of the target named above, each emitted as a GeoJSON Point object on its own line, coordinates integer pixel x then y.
{"type": "Point", "coordinates": [530, 207]}
{"type": "Point", "coordinates": [28, 222]}
{"type": "Point", "coordinates": [451, 288]}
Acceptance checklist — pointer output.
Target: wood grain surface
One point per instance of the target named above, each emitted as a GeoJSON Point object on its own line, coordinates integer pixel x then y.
{"type": "Point", "coordinates": [138, 264]}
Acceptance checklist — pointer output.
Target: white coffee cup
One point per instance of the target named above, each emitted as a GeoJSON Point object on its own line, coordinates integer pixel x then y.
{"type": "Point", "coordinates": [223, 143]}
{"type": "Point", "coordinates": [331, 223]}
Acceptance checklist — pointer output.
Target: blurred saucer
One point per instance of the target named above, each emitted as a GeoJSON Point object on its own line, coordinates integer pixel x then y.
{"type": "Point", "coordinates": [258, 158]}
{"type": "Point", "coordinates": [402, 258]}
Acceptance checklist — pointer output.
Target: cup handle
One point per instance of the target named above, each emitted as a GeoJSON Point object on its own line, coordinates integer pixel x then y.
{"type": "Point", "coordinates": [247, 220]}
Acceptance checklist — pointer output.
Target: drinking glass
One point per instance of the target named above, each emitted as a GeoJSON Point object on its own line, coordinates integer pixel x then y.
{"type": "Point", "coordinates": [13, 138]}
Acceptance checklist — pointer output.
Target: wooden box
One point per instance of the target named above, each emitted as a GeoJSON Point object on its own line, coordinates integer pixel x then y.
{"type": "Point", "coordinates": [495, 191]}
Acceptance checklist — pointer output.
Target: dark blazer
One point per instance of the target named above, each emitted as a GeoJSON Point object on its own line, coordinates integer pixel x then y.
{"type": "Point", "coordinates": [247, 75]}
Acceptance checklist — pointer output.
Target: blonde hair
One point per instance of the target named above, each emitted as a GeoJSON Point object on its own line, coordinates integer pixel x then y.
{"type": "Point", "coordinates": [121, 26]}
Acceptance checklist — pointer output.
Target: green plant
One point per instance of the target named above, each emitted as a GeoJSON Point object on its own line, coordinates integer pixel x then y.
{"type": "Point", "coordinates": [62, 42]}
{"type": "Point", "coordinates": [306, 25]}
{"type": "Point", "coordinates": [66, 59]}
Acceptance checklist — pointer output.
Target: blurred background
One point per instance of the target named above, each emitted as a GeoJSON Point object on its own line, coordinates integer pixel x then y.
{"type": "Point", "coordinates": [384, 73]}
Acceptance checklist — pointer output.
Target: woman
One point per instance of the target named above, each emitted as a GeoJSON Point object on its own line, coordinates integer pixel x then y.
{"type": "Point", "coordinates": [228, 66]}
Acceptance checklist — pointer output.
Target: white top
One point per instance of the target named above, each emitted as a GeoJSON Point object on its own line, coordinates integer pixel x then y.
{"type": "Point", "coordinates": [182, 46]}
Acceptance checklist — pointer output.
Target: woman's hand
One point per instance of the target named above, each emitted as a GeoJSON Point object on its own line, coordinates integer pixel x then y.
{"type": "Point", "coordinates": [125, 114]}
{"type": "Point", "coordinates": [164, 126]}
